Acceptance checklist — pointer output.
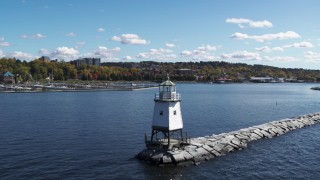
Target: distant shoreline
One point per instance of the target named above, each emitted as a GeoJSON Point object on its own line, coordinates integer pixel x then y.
{"type": "Point", "coordinates": [109, 86]}
{"type": "Point", "coordinates": [72, 87]}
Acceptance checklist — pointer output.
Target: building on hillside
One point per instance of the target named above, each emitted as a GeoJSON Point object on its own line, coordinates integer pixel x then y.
{"type": "Point", "coordinates": [77, 63]}
{"type": "Point", "coordinates": [92, 61]}
{"type": "Point", "coordinates": [185, 71]}
{"type": "Point", "coordinates": [7, 77]}
{"type": "Point", "coordinates": [87, 61]}
{"type": "Point", "coordinates": [44, 58]}
{"type": "Point", "coordinates": [128, 65]}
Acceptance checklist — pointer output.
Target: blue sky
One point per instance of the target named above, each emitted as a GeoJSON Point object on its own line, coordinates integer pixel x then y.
{"type": "Point", "coordinates": [282, 33]}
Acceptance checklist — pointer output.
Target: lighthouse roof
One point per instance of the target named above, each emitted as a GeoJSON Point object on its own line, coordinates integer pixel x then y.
{"type": "Point", "coordinates": [167, 83]}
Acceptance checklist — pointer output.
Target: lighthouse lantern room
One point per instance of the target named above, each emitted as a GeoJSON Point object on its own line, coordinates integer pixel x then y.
{"type": "Point", "coordinates": [167, 121]}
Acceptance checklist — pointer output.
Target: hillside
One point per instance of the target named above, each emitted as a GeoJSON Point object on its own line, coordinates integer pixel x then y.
{"type": "Point", "coordinates": [151, 71]}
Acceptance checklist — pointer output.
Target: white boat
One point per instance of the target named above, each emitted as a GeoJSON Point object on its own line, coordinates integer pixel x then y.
{"type": "Point", "coordinates": [58, 88]}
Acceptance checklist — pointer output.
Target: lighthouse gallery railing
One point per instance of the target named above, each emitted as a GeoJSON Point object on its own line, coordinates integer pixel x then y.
{"type": "Point", "coordinates": [168, 96]}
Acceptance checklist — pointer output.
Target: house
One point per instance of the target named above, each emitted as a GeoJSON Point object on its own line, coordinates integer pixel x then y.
{"type": "Point", "coordinates": [7, 77]}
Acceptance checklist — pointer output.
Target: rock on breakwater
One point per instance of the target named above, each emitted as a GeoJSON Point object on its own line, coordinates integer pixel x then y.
{"type": "Point", "coordinates": [208, 147]}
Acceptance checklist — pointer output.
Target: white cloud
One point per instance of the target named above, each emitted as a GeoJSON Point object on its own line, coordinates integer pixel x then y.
{"type": "Point", "coordinates": [201, 53]}
{"type": "Point", "coordinates": [34, 36]}
{"type": "Point", "coordinates": [242, 23]}
{"type": "Point", "coordinates": [312, 56]}
{"type": "Point", "coordinates": [242, 55]}
{"type": "Point", "coordinates": [159, 51]}
{"type": "Point", "coordinates": [245, 55]}
{"type": "Point", "coordinates": [21, 55]}
{"type": "Point", "coordinates": [63, 52]}
{"type": "Point", "coordinates": [44, 52]}
{"type": "Point", "coordinates": [186, 53]}
{"type": "Point", "coordinates": [238, 20]}
{"type": "Point", "coordinates": [104, 52]}
{"type": "Point", "coordinates": [66, 51]}
{"type": "Point", "coordinates": [239, 36]}
{"type": "Point", "coordinates": [268, 49]}
{"type": "Point", "coordinates": [38, 36]}
{"type": "Point", "coordinates": [261, 24]}
{"type": "Point", "coordinates": [101, 30]}
{"type": "Point", "coordinates": [116, 49]}
{"type": "Point", "coordinates": [127, 58]}
{"type": "Point", "coordinates": [170, 45]}
{"type": "Point", "coordinates": [157, 55]}
{"type": "Point", "coordinates": [71, 34]}
{"type": "Point", "coordinates": [142, 55]}
{"type": "Point", "coordinates": [170, 56]}
{"type": "Point", "coordinates": [206, 57]}
{"type": "Point", "coordinates": [197, 52]}
{"type": "Point", "coordinates": [115, 38]}
{"type": "Point", "coordinates": [130, 39]}
{"type": "Point", "coordinates": [17, 54]}
{"type": "Point", "coordinates": [3, 42]}
{"type": "Point", "coordinates": [303, 44]}
{"type": "Point", "coordinates": [279, 58]}
{"type": "Point", "coordinates": [207, 48]}
{"type": "Point", "coordinates": [266, 37]}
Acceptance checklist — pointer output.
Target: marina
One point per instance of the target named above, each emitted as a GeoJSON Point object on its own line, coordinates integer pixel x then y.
{"type": "Point", "coordinates": [64, 87]}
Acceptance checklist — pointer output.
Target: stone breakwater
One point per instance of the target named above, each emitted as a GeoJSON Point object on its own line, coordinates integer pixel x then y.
{"type": "Point", "coordinates": [208, 147]}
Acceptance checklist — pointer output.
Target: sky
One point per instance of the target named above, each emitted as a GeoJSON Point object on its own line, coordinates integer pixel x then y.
{"type": "Point", "coordinates": [281, 33]}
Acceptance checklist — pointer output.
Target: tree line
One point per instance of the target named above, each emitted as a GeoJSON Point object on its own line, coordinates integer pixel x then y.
{"type": "Point", "coordinates": [38, 70]}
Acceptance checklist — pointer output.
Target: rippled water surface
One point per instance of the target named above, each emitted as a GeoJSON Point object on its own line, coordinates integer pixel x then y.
{"type": "Point", "coordinates": [95, 135]}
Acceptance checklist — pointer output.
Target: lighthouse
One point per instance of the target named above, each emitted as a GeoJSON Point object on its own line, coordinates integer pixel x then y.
{"type": "Point", "coordinates": [167, 121]}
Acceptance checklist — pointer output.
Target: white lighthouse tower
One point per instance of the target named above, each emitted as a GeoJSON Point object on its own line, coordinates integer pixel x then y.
{"type": "Point", "coordinates": [167, 121]}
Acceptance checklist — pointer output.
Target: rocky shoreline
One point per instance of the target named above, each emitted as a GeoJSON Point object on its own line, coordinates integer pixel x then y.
{"type": "Point", "coordinates": [208, 147]}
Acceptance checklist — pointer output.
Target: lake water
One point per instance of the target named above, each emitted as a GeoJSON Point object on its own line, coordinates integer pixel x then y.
{"type": "Point", "coordinates": [95, 135]}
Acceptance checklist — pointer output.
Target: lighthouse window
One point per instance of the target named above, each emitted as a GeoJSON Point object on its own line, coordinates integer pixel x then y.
{"type": "Point", "coordinates": [174, 112]}
{"type": "Point", "coordinates": [161, 113]}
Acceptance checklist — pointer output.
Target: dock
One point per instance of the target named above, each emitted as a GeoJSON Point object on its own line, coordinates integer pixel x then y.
{"type": "Point", "coordinates": [208, 147]}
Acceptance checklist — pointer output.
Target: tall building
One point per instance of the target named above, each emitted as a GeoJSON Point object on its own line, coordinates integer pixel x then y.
{"type": "Point", "coordinates": [87, 61]}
